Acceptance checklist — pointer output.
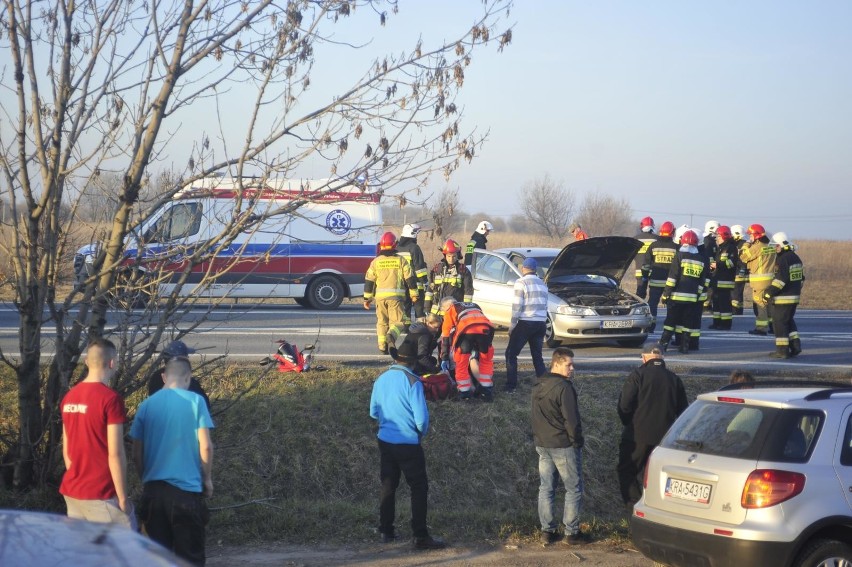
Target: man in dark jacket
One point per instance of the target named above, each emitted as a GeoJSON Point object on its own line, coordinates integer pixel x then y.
{"type": "Point", "coordinates": [651, 399]}
{"type": "Point", "coordinates": [558, 436]}
{"type": "Point", "coordinates": [408, 248]}
{"type": "Point", "coordinates": [478, 239]}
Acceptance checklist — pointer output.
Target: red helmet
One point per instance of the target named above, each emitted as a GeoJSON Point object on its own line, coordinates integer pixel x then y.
{"type": "Point", "coordinates": [757, 231]}
{"type": "Point", "coordinates": [388, 241]}
{"type": "Point", "coordinates": [689, 238]}
{"type": "Point", "coordinates": [647, 221]}
{"type": "Point", "coordinates": [723, 232]}
{"type": "Point", "coordinates": [667, 228]}
{"type": "Point", "coordinates": [450, 247]}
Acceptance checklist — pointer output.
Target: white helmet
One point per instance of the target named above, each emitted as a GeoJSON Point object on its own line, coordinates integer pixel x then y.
{"type": "Point", "coordinates": [484, 227]}
{"type": "Point", "coordinates": [737, 231]}
{"type": "Point", "coordinates": [411, 230]}
{"type": "Point", "coordinates": [710, 227]}
{"type": "Point", "coordinates": [781, 239]}
{"type": "Point", "coordinates": [679, 232]}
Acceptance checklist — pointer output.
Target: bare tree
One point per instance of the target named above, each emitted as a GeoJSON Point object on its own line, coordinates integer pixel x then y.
{"type": "Point", "coordinates": [444, 208]}
{"type": "Point", "coordinates": [603, 215]}
{"type": "Point", "coordinates": [109, 86]}
{"type": "Point", "coordinates": [548, 205]}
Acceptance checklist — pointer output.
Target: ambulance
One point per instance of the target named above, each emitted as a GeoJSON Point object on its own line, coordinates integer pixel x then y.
{"type": "Point", "coordinates": [316, 254]}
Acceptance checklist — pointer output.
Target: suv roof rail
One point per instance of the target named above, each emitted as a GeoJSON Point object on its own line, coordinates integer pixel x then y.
{"type": "Point", "coordinates": [833, 386]}
{"type": "Point", "coordinates": [826, 394]}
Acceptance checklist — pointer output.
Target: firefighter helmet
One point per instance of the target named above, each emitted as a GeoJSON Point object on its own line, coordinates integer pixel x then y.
{"type": "Point", "coordinates": [737, 231]}
{"type": "Point", "coordinates": [450, 247]}
{"type": "Point", "coordinates": [484, 227]}
{"type": "Point", "coordinates": [781, 239]}
{"type": "Point", "coordinates": [723, 232]}
{"type": "Point", "coordinates": [681, 230]}
{"type": "Point", "coordinates": [411, 230]}
{"type": "Point", "coordinates": [667, 229]}
{"type": "Point", "coordinates": [689, 238]}
{"type": "Point", "coordinates": [647, 222]}
{"type": "Point", "coordinates": [710, 227]}
{"type": "Point", "coordinates": [757, 231]}
{"type": "Point", "coordinates": [388, 241]}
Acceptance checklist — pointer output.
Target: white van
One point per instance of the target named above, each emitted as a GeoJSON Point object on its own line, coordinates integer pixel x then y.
{"type": "Point", "coordinates": [316, 255]}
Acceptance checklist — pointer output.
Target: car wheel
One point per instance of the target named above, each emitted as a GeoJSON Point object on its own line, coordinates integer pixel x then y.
{"type": "Point", "coordinates": [825, 553]}
{"type": "Point", "coordinates": [325, 292]}
{"type": "Point", "coordinates": [303, 301]}
{"type": "Point", "coordinates": [549, 339]}
{"type": "Point", "coordinates": [632, 343]}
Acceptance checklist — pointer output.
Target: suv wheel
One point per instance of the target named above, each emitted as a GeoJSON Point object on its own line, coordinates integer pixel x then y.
{"type": "Point", "coordinates": [825, 553]}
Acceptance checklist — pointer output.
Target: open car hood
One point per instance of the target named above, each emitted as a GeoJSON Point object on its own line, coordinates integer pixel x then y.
{"type": "Point", "coordinates": [609, 256]}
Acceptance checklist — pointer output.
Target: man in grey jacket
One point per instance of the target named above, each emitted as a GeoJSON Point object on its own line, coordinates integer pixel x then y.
{"type": "Point", "coordinates": [558, 436]}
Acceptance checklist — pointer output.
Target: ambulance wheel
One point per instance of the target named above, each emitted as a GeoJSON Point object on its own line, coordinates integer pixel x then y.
{"type": "Point", "coordinates": [325, 292]}
{"type": "Point", "coordinates": [303, 301]}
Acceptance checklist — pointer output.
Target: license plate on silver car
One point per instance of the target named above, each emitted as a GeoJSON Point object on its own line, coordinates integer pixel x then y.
{"type": "Point", "coordinates": [618, 324]}
{"type": "Point", "coordinates": [686, 490]}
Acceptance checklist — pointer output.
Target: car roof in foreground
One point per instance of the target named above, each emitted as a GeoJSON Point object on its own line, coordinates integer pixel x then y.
{"type": "Point", "coordinates": [780, 396]}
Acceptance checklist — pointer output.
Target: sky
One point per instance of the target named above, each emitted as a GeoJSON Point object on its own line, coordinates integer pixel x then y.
{"type": "Point", "coordinates": [739, 112]}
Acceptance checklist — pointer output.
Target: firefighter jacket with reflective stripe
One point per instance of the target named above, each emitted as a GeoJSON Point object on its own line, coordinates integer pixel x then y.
{"type": "Point", "coordinates": [448, 281]}
{"type": "Point", "coordinates": [726, 264]}
{"type": "Point", "coordinates": [759, 257]}
{"type": "Point", "coordinates": [463, 318]}
{"type": "Point", "coordinates": [389, 277]}
{"type": "Point", "coordinates": [786, 288]}
{"type": "Point", "coordinates": [410, 250]}
{"type": "Point", "coordinates": [477, 240]}
{"type": "Point", "coordinates": [741, 268]}
{"type": "Point", "coordinates": [646, 238]}
{"type": "Point", "coordinates": [688, 276]}
{"type": "Point", "coordinates": [658, 261]}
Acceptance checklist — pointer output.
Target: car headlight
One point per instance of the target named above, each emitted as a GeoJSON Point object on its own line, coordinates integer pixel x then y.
{"type": "Point", "coordinates": [641, 310]}
{"type": "Point", "coordinates": [575, 311]}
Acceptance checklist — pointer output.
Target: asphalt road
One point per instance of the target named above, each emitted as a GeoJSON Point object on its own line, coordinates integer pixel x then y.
{"type": "Point", "coordinates": [247, 331]}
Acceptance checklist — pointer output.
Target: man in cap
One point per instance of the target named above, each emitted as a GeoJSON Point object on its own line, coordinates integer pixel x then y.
{"type": "Point", "coordinates": [528, 324]}
{"type": "Point", "coordinates": [175, 349]}
{"type": "Point", "coordinates": [398, 404]}
{"type": "Point", "coordinates": [651, 399]}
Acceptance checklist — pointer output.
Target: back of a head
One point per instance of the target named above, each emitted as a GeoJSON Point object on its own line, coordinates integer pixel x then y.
{"type": "Point", "coordinates": [447, 302]}
{"type": "Point", "coordinates": [100, 353]}
{"type": "Point", "coordinates": [178, 372]}
{"type": "Point", "coordinates": [652, 350]}
{"type": "Point", "coordinates": [741, 377]}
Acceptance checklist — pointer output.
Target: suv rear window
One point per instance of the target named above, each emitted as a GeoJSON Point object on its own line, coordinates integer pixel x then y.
{"type": "Point", "coordinates": [746, 431]}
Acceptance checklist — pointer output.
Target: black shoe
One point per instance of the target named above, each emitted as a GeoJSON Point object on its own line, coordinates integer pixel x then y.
{"type": "Point", "coordinates": [780, 353]}
{"type": "Point", "coordinates": [509, 390]}
{"type": "Point", "coordinates": [464, 396]}
{"type": "Point", "coordinates": [663, 346]}
{"type": "Point", "coordinates": [388, 538]}
{"type": "Point", "coordinates": [383, 350]}
{"type": "Point", "coordinates": [549, 537]}
{"type": "Point", "coordinates": [487, 394]}
{"type": "Point", "coordinates": [578, 538]}
{"type": "Point", "coordinates": [429, 543]}
{"type": "Point", "coordinates": [758, 332]}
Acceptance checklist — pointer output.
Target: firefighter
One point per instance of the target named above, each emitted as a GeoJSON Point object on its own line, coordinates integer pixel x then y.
{"type": "Point", "coordinates": [387, 278]}
{"type": "Point", "coordinates": [478, 239]}
{"type": "Point", "coordinates": [449, 277]}
{"type": "Point", "coordinates": [724, 268]}
{"type": "Point", "coordinates": [646, 236]}
{"type": "Point", "coordinates": [759, 256]}
{"type": "Point", "coordinates": [684, 286]}
{"type": "Point", "coordinates": [655, 268]}
{"type": "Point", "coordinates": [577, 232]}
{"type": "Point", "coordinates": [467, 330]}
{"type": "Point", "coordinates": [408, 248]}
{"type": "Point", "coordinates": [741, 272]}
{"type": "Point", "coordinates": [784, 293]}
{"type": "Point", "coordinates": [708, 248]}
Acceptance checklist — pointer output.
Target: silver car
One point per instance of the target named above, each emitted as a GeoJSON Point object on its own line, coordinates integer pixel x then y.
{"type": "Point", "coordinates": [586, 301]}
{"type": "Point", "coordinates": [752, 477]}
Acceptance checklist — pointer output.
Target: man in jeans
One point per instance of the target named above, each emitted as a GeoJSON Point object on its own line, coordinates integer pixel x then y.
{"type": "Point", "coordinates": [528, 324]}
{"type": "Point", "coordinates": [558, 437]}
{"type": "Point", "coordinates": [174, 456]}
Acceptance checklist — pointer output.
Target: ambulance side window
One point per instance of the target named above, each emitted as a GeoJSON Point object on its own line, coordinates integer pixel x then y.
{"type": "Point", "coordinates": [180, 221]}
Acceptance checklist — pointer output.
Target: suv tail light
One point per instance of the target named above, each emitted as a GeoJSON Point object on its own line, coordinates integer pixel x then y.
{"type": "Point", "coordinates": [765, 487]}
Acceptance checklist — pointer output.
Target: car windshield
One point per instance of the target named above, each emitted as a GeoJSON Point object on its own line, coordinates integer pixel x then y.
{"type": "Point", "coordinates": [745, 431]}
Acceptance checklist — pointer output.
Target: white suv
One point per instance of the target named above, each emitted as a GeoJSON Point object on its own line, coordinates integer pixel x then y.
{"type": "Point", "coordinates": [752, 477]}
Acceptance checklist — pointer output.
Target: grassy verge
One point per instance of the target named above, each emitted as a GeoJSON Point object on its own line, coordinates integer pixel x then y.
{"type": "Point", "coordinates": [296, 461]}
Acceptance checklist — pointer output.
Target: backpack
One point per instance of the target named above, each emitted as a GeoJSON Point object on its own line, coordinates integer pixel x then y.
{"type": "Point", "coordinates": [437, 387]}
